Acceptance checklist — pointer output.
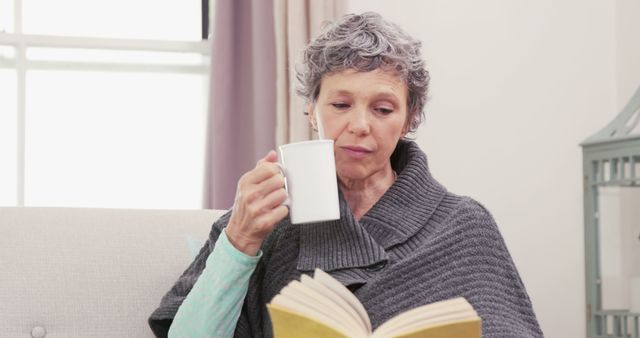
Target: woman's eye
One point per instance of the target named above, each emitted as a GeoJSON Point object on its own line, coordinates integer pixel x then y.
{"type": "Point", "coordinates": [340, 105]}
{"type": "Point", "coordinates": [384, 110]}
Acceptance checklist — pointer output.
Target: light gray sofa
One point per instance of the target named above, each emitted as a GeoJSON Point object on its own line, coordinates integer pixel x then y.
{"type": "Point", "coordinates": [75, 272]}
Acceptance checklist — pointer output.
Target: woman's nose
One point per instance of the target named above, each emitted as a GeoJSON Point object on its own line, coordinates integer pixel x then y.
{"type": "Point", "coordinates": [359, 123]}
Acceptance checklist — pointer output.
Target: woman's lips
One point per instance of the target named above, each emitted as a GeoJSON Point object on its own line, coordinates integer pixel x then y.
{"type": "Point", "coordinates": [356, 151]}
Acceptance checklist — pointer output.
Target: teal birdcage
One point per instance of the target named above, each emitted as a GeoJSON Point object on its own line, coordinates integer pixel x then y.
{"type": "Point", "coordinates": [611, 158]}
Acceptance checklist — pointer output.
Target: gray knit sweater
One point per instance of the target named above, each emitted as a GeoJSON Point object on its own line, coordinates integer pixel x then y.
{"type": "Point", "coordinates": [418, 244]}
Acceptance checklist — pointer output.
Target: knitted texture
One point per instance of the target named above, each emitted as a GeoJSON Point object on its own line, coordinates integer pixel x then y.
{"type": "Point", "coordinates": [417, 245]}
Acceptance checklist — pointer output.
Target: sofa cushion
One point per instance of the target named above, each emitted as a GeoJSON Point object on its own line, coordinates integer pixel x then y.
{"type": "Point", "coordinates": [80, 272]}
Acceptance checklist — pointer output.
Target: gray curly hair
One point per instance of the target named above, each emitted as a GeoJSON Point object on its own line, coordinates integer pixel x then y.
{"type": "Point", "coordinates": [366, 42]}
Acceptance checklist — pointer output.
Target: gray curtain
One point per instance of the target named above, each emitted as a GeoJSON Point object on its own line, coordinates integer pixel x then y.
{"type": "Point", "coordinates": [242, 119]}
{"type": "Point", "coordinates": [296, 22]}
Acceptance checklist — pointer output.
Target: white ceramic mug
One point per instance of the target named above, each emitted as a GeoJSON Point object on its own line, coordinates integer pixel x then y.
{"type": "Point", "coordinates": [309, 168]}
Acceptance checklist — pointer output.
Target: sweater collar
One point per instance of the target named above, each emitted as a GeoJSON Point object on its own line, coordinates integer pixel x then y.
{"type": "Point", "coordinates": [404, 208]}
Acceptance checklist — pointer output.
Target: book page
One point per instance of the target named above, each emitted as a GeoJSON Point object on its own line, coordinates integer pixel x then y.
{"type": "Point", "coordinates": [321, 303]}
{"type": "Point", "coordinates": [468, 328]}
{"type": "Point", "coordinates": [351, 314]}
{"type": "Point", "coordinates": [288, 323]}
{"type": "Point", "coordinates": [439, 312]}
{"type": "Point", "coordinates": [421, 325]}
{"type": "Point", "coordinates": [345, 294]}
{"type": "Point", "coordinates": [302, 309]}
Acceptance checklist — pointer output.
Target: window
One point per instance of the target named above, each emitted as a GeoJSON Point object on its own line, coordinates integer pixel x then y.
{"type": "Point", "coordinates": [126, 19]}
{"type": "Point", "coordinates": [8, 129]}
{"type": "Point", "coordinates": [6, 16]}
{"type": "Point", "coordinates": [103, 104]}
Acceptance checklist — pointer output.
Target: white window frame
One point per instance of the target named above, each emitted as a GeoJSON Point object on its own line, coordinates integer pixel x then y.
{"type": "Point", "coordinates": [21, 42]}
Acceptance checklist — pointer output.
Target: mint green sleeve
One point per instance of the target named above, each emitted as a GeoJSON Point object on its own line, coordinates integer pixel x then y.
{"type": "Point", "coordinates": [212, 307]}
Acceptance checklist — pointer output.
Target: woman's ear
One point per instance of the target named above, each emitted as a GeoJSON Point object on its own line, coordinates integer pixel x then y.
{"type": "Point", "coordinates": [405, 131]}
{"type": "Point", "coordinates": [406, 128]}
{"type": "Point", "coordinates": [311, 114]}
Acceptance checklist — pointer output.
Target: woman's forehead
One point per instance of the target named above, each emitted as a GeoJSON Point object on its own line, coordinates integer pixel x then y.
{"type": "Point", "coordinates": [352, 82]}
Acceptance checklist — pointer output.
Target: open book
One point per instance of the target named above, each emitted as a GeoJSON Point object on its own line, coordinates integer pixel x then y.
{"type": "Point", "coordinates": [323, 307]}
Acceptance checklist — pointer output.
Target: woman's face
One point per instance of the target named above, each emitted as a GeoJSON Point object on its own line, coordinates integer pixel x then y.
{"type": "Point", "coordinates": [365, 113]}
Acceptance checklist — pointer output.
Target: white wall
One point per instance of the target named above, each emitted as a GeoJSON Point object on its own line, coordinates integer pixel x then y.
{"type": "Point", "coordinates": [628, 48]}
{"type": "Point", "coordinates": [516, 86]}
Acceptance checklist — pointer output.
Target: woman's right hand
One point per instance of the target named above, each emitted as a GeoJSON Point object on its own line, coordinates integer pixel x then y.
{"type": "Point", "coordinates": [257, 207]}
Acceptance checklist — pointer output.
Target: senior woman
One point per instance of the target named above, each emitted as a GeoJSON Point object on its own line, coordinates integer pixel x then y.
{"type": "Point", "coordinates": [402, 239]}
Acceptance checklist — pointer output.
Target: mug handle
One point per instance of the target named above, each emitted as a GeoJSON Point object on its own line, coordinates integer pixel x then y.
{"type": "Point", "coordinates": [283, 171]}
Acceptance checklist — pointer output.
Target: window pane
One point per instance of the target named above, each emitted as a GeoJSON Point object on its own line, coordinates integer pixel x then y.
{"type": "Point", "coordinates": [117, 56]}
{"type": "Point", "coordinates": [143, 19]}
{"type": "Point", "coordinates": [6, 16]}
{"type": "Point", "coordinates": [619, 252]}
{"type": "Point", "coordinates": [8, 135]}
{"type": "Point", "coordinates": [98, 139]}
{"type": "Point", "coordinates": [7, 57]}
{"type": "Point", "coordinates": [7, 52]}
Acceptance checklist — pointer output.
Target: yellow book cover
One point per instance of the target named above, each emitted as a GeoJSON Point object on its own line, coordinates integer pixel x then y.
{"type": "Point", "coordinates": [322, 307]}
